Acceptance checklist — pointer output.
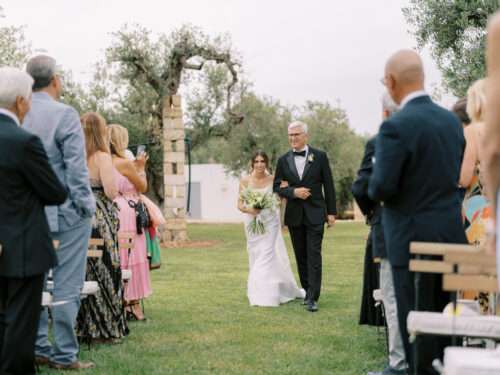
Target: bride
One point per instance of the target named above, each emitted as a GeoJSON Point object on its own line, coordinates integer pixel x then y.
{"type": "Point", "coordinates": [270, 279]}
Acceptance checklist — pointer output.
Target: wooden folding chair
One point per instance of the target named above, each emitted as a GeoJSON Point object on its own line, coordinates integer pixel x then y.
{"type": "Point", "coordinates": [464, 267]}
{"type": "Point", "coordinates": [429, 257]}
{"type": "Point", "coordinates": [126, 241]}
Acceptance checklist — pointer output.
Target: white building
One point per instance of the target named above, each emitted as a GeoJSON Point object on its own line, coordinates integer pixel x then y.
{"type": "Point", "coordinates": [214, 194]}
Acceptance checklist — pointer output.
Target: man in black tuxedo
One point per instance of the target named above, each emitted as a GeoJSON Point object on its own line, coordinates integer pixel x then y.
{"type": "Point", "coordinates": [418, 157]}
{"type": "Point", "coordinates": [303, 176]}
{"type": "Point", "coordinates": [27, 184]}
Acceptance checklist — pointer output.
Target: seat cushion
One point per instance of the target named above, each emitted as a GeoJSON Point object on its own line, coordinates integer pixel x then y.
{"type": "Point", "coordinates": [90, 288]}
{"type": "Point", "coordinates": [467, 361]}
{"type": "Point", "coordinates": [420, 322]}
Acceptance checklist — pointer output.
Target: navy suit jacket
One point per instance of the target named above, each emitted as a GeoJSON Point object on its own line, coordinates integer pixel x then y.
{"type": "Point", "coordinates": [27, 184]}
{"type": "Point", "coordinates": [418, 157]}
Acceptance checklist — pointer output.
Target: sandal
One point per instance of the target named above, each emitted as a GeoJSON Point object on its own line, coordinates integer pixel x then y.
{"type": "Point", "coordinates": [132, 313]}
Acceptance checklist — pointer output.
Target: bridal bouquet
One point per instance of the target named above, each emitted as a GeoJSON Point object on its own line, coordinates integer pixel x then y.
{"type": "Point", "coordinates": [260, 201]}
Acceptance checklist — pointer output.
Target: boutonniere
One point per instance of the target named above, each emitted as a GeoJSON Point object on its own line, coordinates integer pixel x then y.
{"type": "Point", "coordinates": [310, 158]}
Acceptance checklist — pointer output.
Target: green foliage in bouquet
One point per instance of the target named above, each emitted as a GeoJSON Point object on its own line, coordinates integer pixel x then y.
{"type": "Point", "coordinates": [259, 201]}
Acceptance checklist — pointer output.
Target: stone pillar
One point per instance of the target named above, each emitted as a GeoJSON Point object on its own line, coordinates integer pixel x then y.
{"type": "Point", "coordinates": [173, 170]}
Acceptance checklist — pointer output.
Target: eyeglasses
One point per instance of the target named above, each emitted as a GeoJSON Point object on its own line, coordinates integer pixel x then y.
{"type": "Point", "coordinates": [292, 135]}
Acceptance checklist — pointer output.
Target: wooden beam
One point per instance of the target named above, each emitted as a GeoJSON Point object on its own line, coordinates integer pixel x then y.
{"type": "Point", "coordinates": [466, 269]}
{"type": "Point", "coordinates": [477, 283]}
{"type": "Point", "coordinates": [94, 254]}
{"type": "Point", "coordinates": [96, 242]}
{"type": "Point", "coordinates": [438, 248]}
{"type": "Point", "coordinates": [472, 259]}
{"type": "Point", "coordinates": [430, 266]}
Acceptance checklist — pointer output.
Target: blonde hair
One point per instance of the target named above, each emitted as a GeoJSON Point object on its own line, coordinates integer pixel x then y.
{"type": "Point", "coordinates": [476, 100]}
{"type": "Point", "coordinates": [96, 133]}
{"type": "Point", "coordinates": [119, 140]}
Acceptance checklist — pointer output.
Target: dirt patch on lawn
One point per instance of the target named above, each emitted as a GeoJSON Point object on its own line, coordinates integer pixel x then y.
{"type": "Point", "coordinates": [189, 244]}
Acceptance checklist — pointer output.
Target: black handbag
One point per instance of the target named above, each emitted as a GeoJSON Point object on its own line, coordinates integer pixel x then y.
{"type": "Point", "coordinates": [142, 218]}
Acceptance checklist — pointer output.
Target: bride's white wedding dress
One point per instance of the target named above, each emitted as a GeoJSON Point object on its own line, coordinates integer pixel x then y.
{"type": "Point", "coordinates": [270, 280]}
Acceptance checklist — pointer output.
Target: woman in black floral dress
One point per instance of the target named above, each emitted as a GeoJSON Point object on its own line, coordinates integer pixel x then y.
{"type": "Point", "coordinates": [102, 316]}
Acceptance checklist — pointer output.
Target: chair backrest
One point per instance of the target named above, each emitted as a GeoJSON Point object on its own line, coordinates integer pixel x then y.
{"type": "Point", "coordinates": [464, 267]}
{"type": "Point", "coordinates": [429, 256]}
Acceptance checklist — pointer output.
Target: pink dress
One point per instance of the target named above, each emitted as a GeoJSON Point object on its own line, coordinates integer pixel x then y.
{"type": "Point", "coordinates": [139, 285]}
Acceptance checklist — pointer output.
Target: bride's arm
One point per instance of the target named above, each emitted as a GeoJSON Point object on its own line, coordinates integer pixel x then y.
{"type": "Point", "coordinates": [241, 205]}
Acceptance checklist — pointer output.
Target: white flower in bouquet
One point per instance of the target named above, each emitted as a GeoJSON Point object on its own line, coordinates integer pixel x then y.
{"type": "Point", "coordinates": [259, 201]}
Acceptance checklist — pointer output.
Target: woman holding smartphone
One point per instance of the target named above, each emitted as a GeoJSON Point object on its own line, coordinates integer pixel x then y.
{"type": "Point", "coordinates": [131, 182]}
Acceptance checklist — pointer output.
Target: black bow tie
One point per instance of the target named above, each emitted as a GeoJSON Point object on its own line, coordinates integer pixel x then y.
{"type": "Point", "coordinates": [300, 153]}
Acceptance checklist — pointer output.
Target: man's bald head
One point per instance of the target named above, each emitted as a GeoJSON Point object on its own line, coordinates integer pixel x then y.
{"type": "Point", "coordinates": [406, 66]}
{"type": "Point", "coordinates": [404, 73]}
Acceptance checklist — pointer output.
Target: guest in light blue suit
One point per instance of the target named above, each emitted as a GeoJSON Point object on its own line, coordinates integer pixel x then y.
{"type": "Point", "coordinates": [59, 128]}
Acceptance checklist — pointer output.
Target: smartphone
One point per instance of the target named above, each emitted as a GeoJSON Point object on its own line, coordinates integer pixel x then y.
{"type": "Point", "coordinates": [141, 149]}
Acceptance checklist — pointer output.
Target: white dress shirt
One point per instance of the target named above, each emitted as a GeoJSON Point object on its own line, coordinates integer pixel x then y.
{"type": "Point", "coordinates": [411, 96]}
{"type": "Point", "coordinates": [10, 114]}
{"type": "Point", "coordinates": [300, 161]}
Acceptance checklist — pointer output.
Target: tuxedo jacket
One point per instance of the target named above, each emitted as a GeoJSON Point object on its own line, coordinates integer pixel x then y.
{"type": "Point", "coordinates": [371, 209]}
{"type": "Point", "coordinates": [27, 184]}
{"type": "Point", "coordinates": [418, 157]}
{"type": "Point", "coordinates": [317, 177]}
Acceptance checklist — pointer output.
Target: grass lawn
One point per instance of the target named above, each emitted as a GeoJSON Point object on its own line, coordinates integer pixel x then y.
{"type": "Point", "coordinates": [200, 321]}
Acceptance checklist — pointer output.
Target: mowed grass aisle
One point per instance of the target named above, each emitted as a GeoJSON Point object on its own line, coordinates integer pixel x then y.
{"type": "Point", "coordinates": [201, 323]}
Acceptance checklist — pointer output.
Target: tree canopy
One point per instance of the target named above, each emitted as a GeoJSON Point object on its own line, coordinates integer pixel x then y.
{"type": "Point", "coordinates": [226, 121]}
{"type": "Point", "coordinates": [14, 47]}
{"type": "Point", "coordinates": [455, 32]}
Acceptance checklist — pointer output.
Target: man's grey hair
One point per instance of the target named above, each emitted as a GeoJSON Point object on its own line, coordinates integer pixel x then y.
{"type": "Point", "coordinates": [42, 68]}
{"type": "Point", "coordinates": [388, 104]}
{"type": "Point", "coordinates": [298, 124]}
{"type": "Point", "coordinates": [13, 83]}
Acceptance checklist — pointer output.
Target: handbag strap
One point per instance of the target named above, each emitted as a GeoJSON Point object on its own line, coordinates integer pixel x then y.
{"type": "Point", "coordinates": [130, 202]}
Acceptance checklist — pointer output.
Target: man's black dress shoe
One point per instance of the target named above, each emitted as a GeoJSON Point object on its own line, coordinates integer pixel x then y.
{"type": "Point", "coordinates": [312, 306]}
{"type": "Point", "coordinates": [305, 302]}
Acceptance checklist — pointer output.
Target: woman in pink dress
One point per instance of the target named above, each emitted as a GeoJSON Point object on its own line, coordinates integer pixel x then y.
{"type": "Point", "coordinates": [131, 180]}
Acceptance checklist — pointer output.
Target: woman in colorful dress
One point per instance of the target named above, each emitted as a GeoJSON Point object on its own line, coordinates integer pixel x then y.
{"type": "Point", "coordinates": [102, 316]}
{"type": "Point", "coordinates": [476, 206]}
{"type": "Point", "coordinates": [131, 181]}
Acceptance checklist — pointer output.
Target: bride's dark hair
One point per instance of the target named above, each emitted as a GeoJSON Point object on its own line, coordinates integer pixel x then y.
{"type": "Point", "coordinates": [264, 156]}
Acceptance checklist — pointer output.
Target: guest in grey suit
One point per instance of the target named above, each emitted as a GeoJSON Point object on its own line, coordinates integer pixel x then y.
{"type": "Point", "coordinates": [58, 126]}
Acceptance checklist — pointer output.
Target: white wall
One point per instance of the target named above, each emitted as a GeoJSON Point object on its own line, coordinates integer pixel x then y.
{"type": "Point", "coordinates": [219, 193]}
